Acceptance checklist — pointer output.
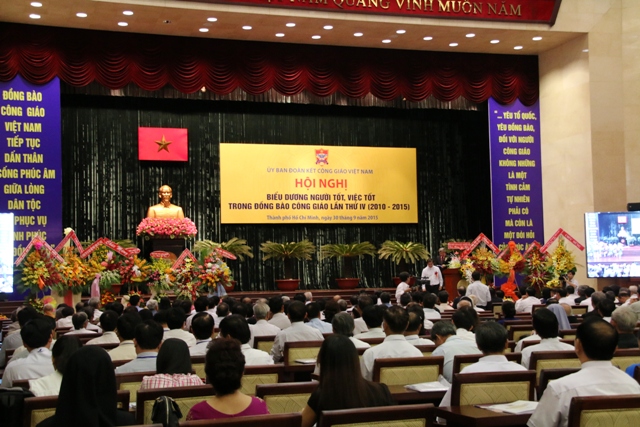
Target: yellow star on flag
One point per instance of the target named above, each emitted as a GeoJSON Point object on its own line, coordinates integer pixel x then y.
{"type": "Point", "coordinates": [163, 144]}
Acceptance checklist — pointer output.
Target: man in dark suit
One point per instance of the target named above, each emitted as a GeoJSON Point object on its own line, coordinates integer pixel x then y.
{"type": "Point", "coordinates": [442, 260]}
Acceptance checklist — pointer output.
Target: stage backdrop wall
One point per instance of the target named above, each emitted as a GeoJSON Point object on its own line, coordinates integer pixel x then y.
{"type": "Point", "coordinates": [106, 190]}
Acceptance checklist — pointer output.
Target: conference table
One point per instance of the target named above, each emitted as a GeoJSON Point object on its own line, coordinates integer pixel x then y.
{"type": "Point", "coordinates": [403, 396]}
{"type": "Point", "coordinates": [472, 416]}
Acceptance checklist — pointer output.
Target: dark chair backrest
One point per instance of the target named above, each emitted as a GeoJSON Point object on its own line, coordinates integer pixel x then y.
{"type": "Point", "coordinates": [636, 373]}
{"type": "Point", "coordinates": [601, 410]}
{"type": "Point", "coordinates": [372, 341]}
{"type": "Point", "coordinates": [385, 415]}
{"type": "Point", "coordinates": [273, 420]}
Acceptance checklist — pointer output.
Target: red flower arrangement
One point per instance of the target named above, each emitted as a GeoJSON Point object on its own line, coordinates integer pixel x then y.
{"type": "Point", "coordinates": [168, 228]}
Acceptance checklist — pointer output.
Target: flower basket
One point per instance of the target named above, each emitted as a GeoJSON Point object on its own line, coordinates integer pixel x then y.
{"type": "Point", "coordinates": [166, 228]}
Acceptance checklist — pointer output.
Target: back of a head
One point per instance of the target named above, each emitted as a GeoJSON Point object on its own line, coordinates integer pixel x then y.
{"type": "Point", "coordinates": [475, 276]}
{"type": "Point", "coordinates": [429, 300]}
{"type": "Point", "coordinates": [462, 291]}
{"type": "Point", "coordinates": [372, 316]}
{"type": "Point", "coordinates": [364, 301]}
{"type": "Point", "coordinates": [545, 323]}
{"type": "Point", "coordinates": [331, 308]}
{"type": "Point", "coordinates": [36, 332]}
{"type": "Point", "coordinates": [79, 306]}
{"type": "Point", "coordinates": [491, 337]}
{"type": "Point", "coordinates": [385, 297]}
{"type": "Point", "coordinates": [442, 328]}
{"type": "Point", "coordinates": [606, 307]}
{"type": "Point", "coordinates": [224, 365]}
{"type": "Point", "coordinates": [416, 319]}
{"type": "Point", "coordinates": [297, 311]}
{"type": "Point", "coordinates": [598, 338]}
{"type": "Point", "coordinates": [78, 320]}
{"type": "Point", "coordinates": [499, 293]}
{"type": "Point", "coordinates": [62, 350]}
{"type": "Point", "coordinates": [396, 318]}
{"type": "Point", "coordinates": [134, 300]}
{"type": "Point", "coordinates": [342, 304]}
{"type": "Point", "coordinates": [597, 297]}
{"type": "Point", "coordinates": [531, 291]}
{"type": "Point", "coordinates": [173, 357]}
{"type": "Point", "coordinates": [235, 326]}
{"type": "Point", "coordinates": [94, 302]}
{"type": "Point", "coordinates": [240, 308]}
{"type": "Point", "coordinates": [570, 290]}
{"type": "Point", "coordinates": [443, 297]}
{"type": "Point", "coordinates": [589, 291]}
{"type": "Point", "coordinates": [416, 297]}
{"type": "Point", "coordinates": [404, 276]}
{"type": "Point", "coordinates": [25, 314]}
{"type": "Point", "coordinates": [176, 318]}
{"type": "Point", "coordinates": [165, 304]}
{"type": "Point", "coordinates": [202, 326]}
{"type": "Point", "coordinates": [338, 361]}
{"type": "Point", "coordinates": [127, 326]}
{"type": "Point", "coordinates": [66, 311]}
{"type": "Point", "coordinates": [152, 305]}
{"type": "Point", "coordinates": [88, 390]}
{"type": "Point", "coordinates": [343, 324]}
{"type": "Point", "coordinates": [313, 310]}
{"type": "Point", "coordinates": [260, 311]}
{"type": "Point", "coordinates": [148, 335]}
{"type": "Point", "coordinates": [405, 299]}
{"type": "Point", "coordinates": [201, 304]}
{"type": "Point", "coordinates": [625, 319]}
{"type": "Point", "coordinates": [275, 304]}
{"type": "Point", "coordinates": [118, 308]}
{"type": "Point", "coordinates": [509, 309]}
{"type": "Point", "coordinates": [222, 310]}
{"type": "Point", "coordinates": [465, 318]}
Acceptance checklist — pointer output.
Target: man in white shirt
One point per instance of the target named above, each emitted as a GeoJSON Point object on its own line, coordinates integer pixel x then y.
{"type": "Point", "coordinates": [202, 328]}
{"type": "Point", "coordinates": [416, 324]}
{"type": "Point", "coordinates": [571, 280]}
{"type": "Point", "coordinates": [36, 335]}
{"type": "Point", "coordinates": [222, 311]}
{"type": "Point", "coordinates": [126, 333]}
{"type": "Point", "coordinates": [236, 326]}
{"type": "Point", "coordinates": [403, 286]}
{"type": "Point", "coordinates": [94, 303]}
{"type": "Point", "coordinates": [545, 323]}
{"type": "Point", "coordinates": [364, 301]}
{"type": "Point", "coordinates": [199, 305]}
{"type": "Point", "coordinates": [449, 345]}
{"type": "Point", "coordinates": [298, 331]}
{"type": "Point", "coordinates": [443, 297]}
{"type": "Point", "coordinates": [434, 275]}
{"type": "Point", "coordinates": [147, 341]}
{"type": "Point", "coordinates": [465, 319]}
{"type": "Point", "coordinates": [396, 320]}
{"type": "Point", "coordinates": [572, 295]}
{"type": "Point", "coordinates": [313, 315]}
{"type": "Point", "coordinates": [372, 316]}
{"type": "Point", "coordinates": [526, 303]}
{"type": "Point", "coordinates": [342, 323]}
{"type": "Point", "coordinates": [278, 318]}
{"type": "Point", "coordinates": [109, 322]}
{"type": "Point", "coordinates": [428, 304]}
{"type": "Point", "coordinates": [80, 321]}
{"type": "Point", "coordinates": [595, 344]}
{"type": "Point", "coordinates": [491, 338]}
{"type": "Point", "coordinates": [262, 327]}
{"type": "Point", "coordinates": [14, 341]}
{"type": "Point", "coordinates": [65, 320]}
{"type": "Point", "coordinates": [176, 323]}
{"type": "Point", "coordinates": [480, 290]}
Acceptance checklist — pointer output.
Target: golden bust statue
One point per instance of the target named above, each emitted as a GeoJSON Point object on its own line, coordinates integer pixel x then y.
{"type": "Point", "coordinates": [165, 209]}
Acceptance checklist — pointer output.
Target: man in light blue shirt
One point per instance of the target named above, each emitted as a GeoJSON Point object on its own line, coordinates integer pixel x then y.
{"type": "Point", "coordinates": [148, 337]}
{"type": "Point", "coordinates": [313, 314]}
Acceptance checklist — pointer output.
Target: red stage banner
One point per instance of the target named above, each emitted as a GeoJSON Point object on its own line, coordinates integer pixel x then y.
{"type": "Point", "coordinates": [563, 233]}
{"type": "Point", "coordinates": [461, 246]}
{"type": "Point", "coordinates": [226, 254]}
{"type": "Point", "coordinates": [163, 144]}
{"type": "Point", "coordinates": [70, 236]}
{"type": "Point", "coordinates": [481, 238]}
{"type": "Point", "coordinates": [534, 244]}
{"type": "Point", "coordinates": [186, 253]}
{"type": "Point", "coordinates": [538, 11]}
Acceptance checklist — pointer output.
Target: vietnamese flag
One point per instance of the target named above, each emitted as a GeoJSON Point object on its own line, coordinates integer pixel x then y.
{"type": "Point", "coordinates": [163, 144]}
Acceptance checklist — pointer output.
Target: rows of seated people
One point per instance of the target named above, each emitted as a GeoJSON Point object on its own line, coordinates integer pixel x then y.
{"type": "Point", "coordinates": [350, 343]}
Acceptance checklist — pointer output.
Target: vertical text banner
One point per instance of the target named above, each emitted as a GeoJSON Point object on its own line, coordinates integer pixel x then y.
{"type": "Point", "coordinates": [271, 184]}
{"type": "Point", "coordinates": [30, 174]}
{"type": "Point", "coordinates": [516, 175]}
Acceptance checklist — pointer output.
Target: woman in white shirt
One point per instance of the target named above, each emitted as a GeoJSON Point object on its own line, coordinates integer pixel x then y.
{"type": "Point", "coordinates": [62, 350]}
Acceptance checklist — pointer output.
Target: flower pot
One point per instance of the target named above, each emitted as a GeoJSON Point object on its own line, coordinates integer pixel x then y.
{"type": "Point", "coordinates": [230, 287]}
{"type": "Point", "coordinates": [115, 289]}
{"type": "Point", "coordinates": [348, 283]}
{"type": "Point", "coordinates": [287, 284]}
{"type": "Point", "coordinates": [67, 297]}
{"type": "Point", "coordinates": [412, 281]}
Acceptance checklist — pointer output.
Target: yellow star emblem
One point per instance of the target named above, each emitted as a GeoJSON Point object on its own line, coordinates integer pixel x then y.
{"type": "Point", "coordinates": [163, 144]}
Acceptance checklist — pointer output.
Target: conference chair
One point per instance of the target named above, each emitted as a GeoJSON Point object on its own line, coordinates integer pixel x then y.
{"type": "Point", "coordinates": [527, 343]}
{"type": "Point", "coordinates": [387, 416]}
{"type": "Point", "coordinates": [567, 334]}
{"type": "Point", "coordinates": [548, 375]}
{"type": "Point", "coordinates": [260, 374]}
{"type": "Point", "coordinates": [461, 361]}
{"type": "Point", "coordinates": [131, 381]}
{"type": "Point", "coordinates": [23, 384]}
{"type": "Point", "coordinates": [426, 349]}
{"type": "Point", "coordinates": [185, 397]}
{"type": "Point", "coordinates": [84, 338]}
{"type": "Point", "coordinates": [610, 411]}
{"type": "Point", "coordinates": [197, 364]}
{"type": "Point", "coordinates": [623, 358]}
{"type": "Point", "coordinates": [578, 310]}
{"type": "Point", "coordinates": [372, 341]}
{"type": "Point", "coordinates": [37, 409]}
{"type": "Point", "coordinates": [517, 332]}
{"type": "Point", "coordinates": [273, 420]}
{"type": "Point", "coordinates": [492, 387]}
{"type": "Point", "coordinates": [264, 342]}
{"type": "Point", "coordinates": [497, 310]}
{"type": "Point", "coordinates": [536, 307]}
{"type": "Point", "coordinates": [407, 370]}
{"type": "Point", "coordinates": [553, 360]}
{"type": "Point", "coordinates": [117, 363]}
{"type": "Point", "coordinates": [286, 397]}
{"type": "Point", "coordinates": [300, 350]}
{"type": "Point", "coordinates": [107, 346]}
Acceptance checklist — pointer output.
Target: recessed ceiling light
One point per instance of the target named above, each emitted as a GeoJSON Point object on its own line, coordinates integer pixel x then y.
{"type": "Point", "coordinates": [279, 34]}
{"type": "Point", "coordinates": [36, 4]}
{"type": "Point", "coordinates": [328, 27]}
{"type": "Point", "coordinates": [470, 35]}
{"type": "Point", "coordinates": [34, 16]}
{"type": "Point", "coordinates": [401, 31]}
{"type": "Point", "coordinates": [212, 19]}
{"type": "Point", "coordinates": [386, 41]}
{"type": "Point", "coordinates": [496, 41]}
{"type": "Point", "coordinates": [428, 38]}
{"type": "Point", "coordinates": [291, 24]}
{"type": "Point", "coordinates": [517, 47]}
{"type": "Point", "coordinates": [358, 34]}
{"type": "Point", "coordinates": [166, 21]}
{"type": "Point", "coordinates": [316, 37]}
{"type": "Point", "coordinates": [81, 15]}
{"type": "Point", "coordinates": [204, 30]}
{"type": "Point", "coordinates": [122, 24]}
{"type": "Point", "coordinates": [127, 12]}
{"type": "Point", "coordinates": [453, 44]}
{"type": "Point", "coordinates": [536, 38]}
{"type": "Point", "coordinates": [246, 27]}
{"type": "Point", "coordinates": [585, 50]}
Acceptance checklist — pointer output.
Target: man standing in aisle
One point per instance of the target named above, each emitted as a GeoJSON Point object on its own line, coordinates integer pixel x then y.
{"type": "Point", "coordinates": [480, 290]}
{"type": "Point", "coordinates": [434, 275]}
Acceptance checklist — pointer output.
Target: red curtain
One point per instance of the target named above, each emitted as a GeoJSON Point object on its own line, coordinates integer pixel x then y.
{"type": "Point", "coordinates": [114, 60]}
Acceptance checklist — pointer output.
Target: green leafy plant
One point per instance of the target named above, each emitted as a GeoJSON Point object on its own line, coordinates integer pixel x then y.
{"type": "Point", "coordinates": [236, 246]}
{"type": "Point", "coordinates": [348, 252]}
{"type": "Point", "coordinates": [288, 252]}
{"type": "Point", "coordinates": [402, 253]}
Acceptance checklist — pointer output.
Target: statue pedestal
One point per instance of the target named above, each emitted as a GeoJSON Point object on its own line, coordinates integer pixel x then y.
{"type": "Point", "coordinates": [174, 246]}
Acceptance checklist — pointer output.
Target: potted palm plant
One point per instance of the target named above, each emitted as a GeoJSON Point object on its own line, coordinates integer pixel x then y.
{"type": "Point", "coordinates": [237, 247]}
{"type": "Point", "coordinates": [347, 253]}
{"type": "Point", "coordinates": [288, 253]}
{"type": "Point", "coordinates": [403, 254]}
